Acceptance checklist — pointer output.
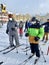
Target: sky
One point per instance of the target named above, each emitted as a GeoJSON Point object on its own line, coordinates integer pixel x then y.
{"type": "Point", "coordinates": [27, 6]}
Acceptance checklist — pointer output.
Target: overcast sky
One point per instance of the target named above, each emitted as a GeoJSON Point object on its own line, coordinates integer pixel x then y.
{"type": "Point", "coordinates": [27, 6]}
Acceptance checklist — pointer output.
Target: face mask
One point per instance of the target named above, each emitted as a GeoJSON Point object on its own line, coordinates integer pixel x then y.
{"type": "Point", "coordinates": [10, 18]}
{"type": "Point", "coordinates": [33, 22]}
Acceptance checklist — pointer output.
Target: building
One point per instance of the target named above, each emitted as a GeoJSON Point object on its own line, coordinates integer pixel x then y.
{"type": "Point", "coordinates": [3, 13]}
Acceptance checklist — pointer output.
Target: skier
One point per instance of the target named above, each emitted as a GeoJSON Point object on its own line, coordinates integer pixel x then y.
{"type": "Point", "coordinates": [21, 28]}
{"type": "Point", "coordinates": [46, 30]}
{"type": "Point", "coordinates": [34, 32]}
{"type": "Point", "coordinates": [27, 24]}
{"type": "Point", "coordinates": [12, 31]}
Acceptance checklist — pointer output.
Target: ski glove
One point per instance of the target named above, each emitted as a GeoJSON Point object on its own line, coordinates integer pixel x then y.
{"type": "Point", "coordinates": [7, 31]}
{"type": "Point", "coordinates": [26, 34]}
{"type": "Point", "coordinates": [37, 38]}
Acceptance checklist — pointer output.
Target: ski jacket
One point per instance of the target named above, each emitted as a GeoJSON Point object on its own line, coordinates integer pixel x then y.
{"type": "Point", "coordinates": [35, 31]}
{"type": "Point", "coordinates": [11, 27]}
{"type": "Point", "coordinates": [46, 28]}
{"type": "Point", "coordinates": [26, 25]}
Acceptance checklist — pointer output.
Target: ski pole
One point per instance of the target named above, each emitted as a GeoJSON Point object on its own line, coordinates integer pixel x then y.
{"type": "Point", "coordinates": [17, 50]}
{"type": "Point", "coordinates": [48, 50]}
{"type": "Point", "coordinates": [26, 46]}
{"type": "Point", "coordinates": [43, 55]}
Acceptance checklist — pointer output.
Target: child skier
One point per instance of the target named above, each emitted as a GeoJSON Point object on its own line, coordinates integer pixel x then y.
{"type": "Point", "coordinates": [35, 32]}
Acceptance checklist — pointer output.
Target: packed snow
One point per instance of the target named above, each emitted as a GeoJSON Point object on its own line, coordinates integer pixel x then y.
{"type": "Point", "coordinates": [14, 58]}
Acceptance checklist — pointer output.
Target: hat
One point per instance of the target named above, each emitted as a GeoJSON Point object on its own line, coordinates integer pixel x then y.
{"type": "Point", "coordinates": [10, 15]}
{"type": "Point", "coordinates": [33, 19]}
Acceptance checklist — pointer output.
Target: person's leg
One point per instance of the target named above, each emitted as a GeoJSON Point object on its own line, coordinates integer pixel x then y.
{"type": "Point", "coordinates": [37, 50]}
{"type": "Point", "coordinates": [43, 37]}
{"type": "Point", "coordinates": [11, 41]}
{"type": "Point", "coordinates": [16, 39]}
{"type": "Point", "coordinates": [21, 32]}
{"type": "Point", "coordinates": [46, 36]}
{"type": "Point", "coordinates": [32, 48]}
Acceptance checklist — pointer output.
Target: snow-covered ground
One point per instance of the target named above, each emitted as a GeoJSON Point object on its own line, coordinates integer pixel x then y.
{"type": "Point", "coordinates": [14, 58]}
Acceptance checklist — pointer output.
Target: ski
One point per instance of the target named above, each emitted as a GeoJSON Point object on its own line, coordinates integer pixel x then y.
{"type": "Point", "coordinates": [5, 48]}
{"type": "Point", "coordinates": [12, 48]}
{"type": "Point", "coordinates": [1, 63]}
{"type": "Point", "coordinates": [44, 44]}
{"type": "Point", "coordinates": [36, 60]}
{"type": "Point", "coordinates": [25, 61]}
{"type": "Point", "coordinates": [26, 50]}
{"type": "Point", "coordinates": [19, 45]}
{"type": "Point", "coordinates": [27, 47]}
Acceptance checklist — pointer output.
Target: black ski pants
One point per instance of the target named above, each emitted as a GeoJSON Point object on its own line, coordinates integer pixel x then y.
{"type": "Point", "coordinates": [35, 49]}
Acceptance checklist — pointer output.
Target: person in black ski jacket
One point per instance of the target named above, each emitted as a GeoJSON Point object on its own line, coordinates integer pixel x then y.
{"type": "Point", "coordinates": [46, 30]}
{"type": "Point", "coordinates": [26, 26]}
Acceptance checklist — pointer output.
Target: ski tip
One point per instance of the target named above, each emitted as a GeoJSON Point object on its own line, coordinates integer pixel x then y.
{"type": "Point", "coordinates": [17, 52]}
{"type": "Point", "coordinates": [0, 51]}
{"type": "Point", "coordinates": [1, 62]}
{"type": "Point", "coordinates": [26, 54]}
{"type": "Point", "coordinates": [4, 53]}
{"type": "Point", "coordinates": [45, 61]}
{"type": "Point", "coordinates": [34, 63]}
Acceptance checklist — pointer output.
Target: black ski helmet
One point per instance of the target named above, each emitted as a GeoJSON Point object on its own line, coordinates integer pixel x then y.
{"type": "Point", "coordinates": [33, 19]}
